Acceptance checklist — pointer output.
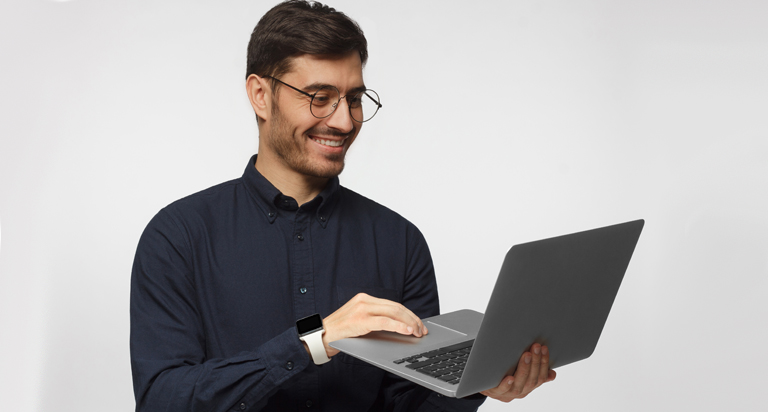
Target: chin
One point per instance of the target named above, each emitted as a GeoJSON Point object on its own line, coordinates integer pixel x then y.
{"type": "Point", "coordinates": [325, 168]}
{"type": "Point", "coordinates": [329, 171]}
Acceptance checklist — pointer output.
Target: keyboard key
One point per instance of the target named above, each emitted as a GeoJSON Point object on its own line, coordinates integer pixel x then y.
{"type": "Point", "coordinates": [432, 353]}
{"type": "Point", "coordinates": [433, 374]}
{"type": "Point", "coordinates": [417, 365]}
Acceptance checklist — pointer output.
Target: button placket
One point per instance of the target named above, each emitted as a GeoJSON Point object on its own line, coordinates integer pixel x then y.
{"type": "Point", "coordinates": [302, 272]}
{"type": "Point", "coordinates": [302, 279]}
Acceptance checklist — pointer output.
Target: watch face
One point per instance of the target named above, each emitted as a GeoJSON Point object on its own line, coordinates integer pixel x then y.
{"type": "Point", "coordinates": [309, 324]}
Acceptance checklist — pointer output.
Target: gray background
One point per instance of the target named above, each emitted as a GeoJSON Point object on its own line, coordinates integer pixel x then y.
{"type": "Point", "coordinates": [503, 122]}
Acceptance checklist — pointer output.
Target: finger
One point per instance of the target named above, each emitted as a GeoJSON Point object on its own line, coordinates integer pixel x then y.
{"type": "Point", "coordinates": [522, 372]}
{"type": "Point", "coordinates": [551, 376]}
{"type": "Point", "coordinates": [405, 315]}
{"type": "Point", "coordinates": [503, 391]}
{"type": "Point", "coordinates": [544, 366]}
{"type": "Point", "coordinates": [389, 324]}
{"type": "Point", "coordinates": [396, 311]}
{"type": "Point", "coordinates": [533, 376]}
{"type": "Point", "coordinates": [401, 314]}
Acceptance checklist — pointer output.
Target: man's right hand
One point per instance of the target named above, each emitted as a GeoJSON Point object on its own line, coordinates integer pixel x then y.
{"type": "Point", "coordinates": [364, 314]}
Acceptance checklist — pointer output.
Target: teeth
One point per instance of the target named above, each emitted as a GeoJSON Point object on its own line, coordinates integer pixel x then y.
{"type": "Point", "coordinates": [331, 143]}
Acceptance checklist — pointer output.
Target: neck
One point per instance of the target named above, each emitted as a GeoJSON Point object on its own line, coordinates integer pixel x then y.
{"type": "Point", "coordinates": [301, 187]}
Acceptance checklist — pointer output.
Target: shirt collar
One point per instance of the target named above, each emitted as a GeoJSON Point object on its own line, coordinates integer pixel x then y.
{"type": "Point", "coordinates": [267, 196]}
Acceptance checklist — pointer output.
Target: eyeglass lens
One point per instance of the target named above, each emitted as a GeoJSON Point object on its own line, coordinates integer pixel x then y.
{"type": "Point", "coordinates": [362, 106]}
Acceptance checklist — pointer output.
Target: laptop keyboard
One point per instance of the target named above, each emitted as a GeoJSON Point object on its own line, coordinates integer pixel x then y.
{"type": "Point", "coordinates": [446, 364]}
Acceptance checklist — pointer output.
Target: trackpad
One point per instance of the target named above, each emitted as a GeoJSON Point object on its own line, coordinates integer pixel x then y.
{"type": "Point", "coordinates": [390, 345]}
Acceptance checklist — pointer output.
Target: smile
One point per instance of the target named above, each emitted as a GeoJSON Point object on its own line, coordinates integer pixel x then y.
{"type": "Point", "coordinates": [331, 143]}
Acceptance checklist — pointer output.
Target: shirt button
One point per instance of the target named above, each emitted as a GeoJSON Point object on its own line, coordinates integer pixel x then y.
{"type": "Point", "coordinates": [271, 214]}
{"type": "Point", "coordinates": [242, 406]}
{"type": "Point", "coordinates": [309, 404]}
{"type": "Point", "coordinates": [300, 236]}
{"type": "Point", "coordinates": [322, 218]}
{"type": "Point", "coordinates": [303, 290]}
{"type": "Point", "coordinates": [289, 365]}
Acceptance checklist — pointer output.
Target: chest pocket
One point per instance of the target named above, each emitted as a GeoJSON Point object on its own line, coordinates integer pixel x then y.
{"type": "Point", "coordinates": [345, 293]}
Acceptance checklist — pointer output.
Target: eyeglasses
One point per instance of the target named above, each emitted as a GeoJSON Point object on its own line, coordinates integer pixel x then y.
{"type": "Point", "coordinates": [363, 105]}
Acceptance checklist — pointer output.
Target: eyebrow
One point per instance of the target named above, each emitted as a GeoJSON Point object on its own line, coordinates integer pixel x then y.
{"type": "Point", "coordinates": [317, 86]}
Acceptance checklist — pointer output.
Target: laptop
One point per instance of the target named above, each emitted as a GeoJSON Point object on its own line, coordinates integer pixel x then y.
{"type": "Point", "coordinates": [555, 292]}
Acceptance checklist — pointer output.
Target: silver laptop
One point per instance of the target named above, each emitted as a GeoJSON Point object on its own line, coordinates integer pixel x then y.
{"type": "Point", "coordinates": [557, 292]}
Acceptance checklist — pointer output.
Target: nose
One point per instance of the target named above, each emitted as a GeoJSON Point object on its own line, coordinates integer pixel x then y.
{"type": "Point", "coordinates": [341, 119]}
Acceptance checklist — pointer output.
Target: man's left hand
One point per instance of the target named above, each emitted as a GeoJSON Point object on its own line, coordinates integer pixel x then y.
{"type": "Point", "coordinates": [532, 371]}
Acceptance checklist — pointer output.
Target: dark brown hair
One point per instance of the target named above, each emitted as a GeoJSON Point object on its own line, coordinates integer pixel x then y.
{"type": "Point", "coordinates": [297, 27]}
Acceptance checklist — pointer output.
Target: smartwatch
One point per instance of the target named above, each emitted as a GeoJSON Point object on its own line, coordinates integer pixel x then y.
{"type": "Point", "coordinates": [311, 332]}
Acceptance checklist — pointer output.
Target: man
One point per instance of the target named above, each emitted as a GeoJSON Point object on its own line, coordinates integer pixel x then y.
{"type": "Point", "coordinates": [221, 277]}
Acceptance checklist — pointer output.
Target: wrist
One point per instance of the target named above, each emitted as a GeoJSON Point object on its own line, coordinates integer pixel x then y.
{"type": "Point", "coordinates": [328, 349]}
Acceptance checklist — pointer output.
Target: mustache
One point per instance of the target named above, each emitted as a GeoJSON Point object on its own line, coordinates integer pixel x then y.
{"type": "Point", "coordinates": [327, 131]}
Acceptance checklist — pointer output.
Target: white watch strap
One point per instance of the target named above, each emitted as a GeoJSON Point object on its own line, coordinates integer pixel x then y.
{"type": "Point", "coordinates": [316, 348]}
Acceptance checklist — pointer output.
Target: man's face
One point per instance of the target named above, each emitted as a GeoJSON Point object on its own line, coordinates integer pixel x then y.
{"type": "Point", "coordinates": [303, 143]}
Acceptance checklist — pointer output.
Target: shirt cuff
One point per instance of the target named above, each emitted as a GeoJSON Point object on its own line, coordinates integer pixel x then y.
{"type": "Point", "coordinates": [285, 356]}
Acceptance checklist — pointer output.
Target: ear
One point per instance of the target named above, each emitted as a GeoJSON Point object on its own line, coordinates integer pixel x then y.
{"type": "Point", "coordinates": [259, 94]}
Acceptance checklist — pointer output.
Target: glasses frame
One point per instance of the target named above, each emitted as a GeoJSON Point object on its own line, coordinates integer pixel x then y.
{"type": "Point", "coordinates": [335, 105]}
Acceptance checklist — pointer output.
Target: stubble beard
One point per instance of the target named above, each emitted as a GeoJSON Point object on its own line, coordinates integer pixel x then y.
{"type": "Point", "coordinates": [292, 152]}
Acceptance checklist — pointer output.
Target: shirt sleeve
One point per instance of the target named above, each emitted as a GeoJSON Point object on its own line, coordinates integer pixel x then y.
{"type": "Point", "coordinates": [168, 359]}
{"type": "Point", "coordinates": [420, 296]}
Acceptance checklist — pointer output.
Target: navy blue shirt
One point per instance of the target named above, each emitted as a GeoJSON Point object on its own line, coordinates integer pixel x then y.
{"type": "Point", "coordinates": [220, 278]}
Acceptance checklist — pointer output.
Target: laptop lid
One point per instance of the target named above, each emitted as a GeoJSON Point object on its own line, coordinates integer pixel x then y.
{"type": "Point", "coordinates": [557, 292]}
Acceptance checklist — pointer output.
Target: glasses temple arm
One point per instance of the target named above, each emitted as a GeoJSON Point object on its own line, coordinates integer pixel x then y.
{"type": "Point", "coordinates": [374, 100]}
